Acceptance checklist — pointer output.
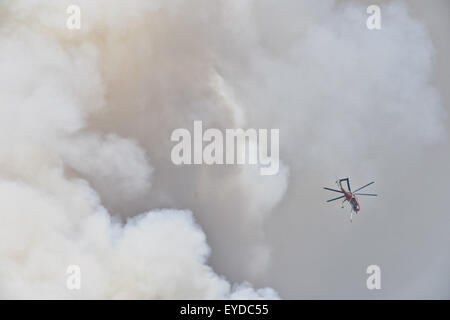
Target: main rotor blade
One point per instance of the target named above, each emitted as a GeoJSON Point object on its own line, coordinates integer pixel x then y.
{"type": "Point", "coordinates": [335, 198]}
{"type": "Point", "coordinates": [333, 190]}
{"type": "Point", "coordinates": [366, 194]}
{"type": "Point", "coordinates": [364, 186]}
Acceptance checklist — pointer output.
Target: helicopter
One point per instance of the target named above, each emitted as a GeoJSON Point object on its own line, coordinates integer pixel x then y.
{"type": "Point", "coordinates": [350, 196]}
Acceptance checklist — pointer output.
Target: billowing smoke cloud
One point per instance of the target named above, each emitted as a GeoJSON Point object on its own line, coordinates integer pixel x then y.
{"type": "Point", "coordinates": [86, 118]}
{"type": "Point", "coordinates": [53, 161]}
{"type": "Point", "coordinates": [160, 254]}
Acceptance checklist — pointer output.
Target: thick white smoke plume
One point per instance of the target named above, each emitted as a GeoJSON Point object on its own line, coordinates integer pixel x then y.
{"type": "Point", "coordinates": [85, 171]}
{"type": "Point", "coordinates": [51, 216]}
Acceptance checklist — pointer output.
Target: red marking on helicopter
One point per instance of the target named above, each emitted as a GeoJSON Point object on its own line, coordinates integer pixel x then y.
{"type": "Point", "coordinates": [350, 196]}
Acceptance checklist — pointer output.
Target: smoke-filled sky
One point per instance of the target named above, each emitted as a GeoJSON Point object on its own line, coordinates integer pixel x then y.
{"type": "Point", "coordinates": [86, 176]}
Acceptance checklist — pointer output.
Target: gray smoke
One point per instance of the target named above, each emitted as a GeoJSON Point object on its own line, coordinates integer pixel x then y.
{"type": "Point", "coordinates": [86, 176]}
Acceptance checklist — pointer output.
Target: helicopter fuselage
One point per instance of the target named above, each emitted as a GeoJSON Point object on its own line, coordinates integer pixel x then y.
{"type": "Point", "coordinates": [351, 198]}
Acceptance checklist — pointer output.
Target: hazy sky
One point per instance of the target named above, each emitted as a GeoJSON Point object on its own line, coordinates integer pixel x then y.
{"type": "Point", "coordinates": [86, 176]}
